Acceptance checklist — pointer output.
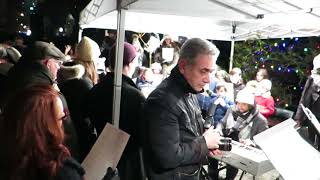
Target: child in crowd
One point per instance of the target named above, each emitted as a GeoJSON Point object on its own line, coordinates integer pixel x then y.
{"type": "Point", "coordinates": [221, 103]}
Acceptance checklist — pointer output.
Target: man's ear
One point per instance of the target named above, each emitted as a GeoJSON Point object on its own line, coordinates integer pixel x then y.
{"type": "Point", "coordinates": [46, 63]}
{"type": "Point", "coordinates": [182, 64]}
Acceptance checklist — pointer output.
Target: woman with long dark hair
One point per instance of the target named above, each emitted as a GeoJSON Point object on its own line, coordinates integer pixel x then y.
{"type": "Point", "coordinates": [32, 137]}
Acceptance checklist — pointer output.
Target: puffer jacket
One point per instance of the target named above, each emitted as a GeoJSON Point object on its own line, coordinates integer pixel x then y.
{"type": "Point", "coordinates": [174, 145]}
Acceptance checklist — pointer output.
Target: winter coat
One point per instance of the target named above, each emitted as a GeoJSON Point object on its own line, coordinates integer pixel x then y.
{"type": "Point", "coordinates": [71, 170]}
{"type": "Point", "coordinates": [310, 99]}
{"type": "Point", "coordinates": [254, 123]}
{"type": "Point", "coordinates": [100, 108]}
{"type": "Point", "coordinates": [220, 110]}
{"type": "Point", "coordinates": [174, 145]}
{"type": "Point", "coordinates": [4, 69]}
{"type": "Point", "coordinates": [267, 104]}
{"type": "Point", "coordinates": [75, 88]}
{"type": "Point", "coordinates": [26, 74]}
{"type": "Point", "coordinates": [237, 88]}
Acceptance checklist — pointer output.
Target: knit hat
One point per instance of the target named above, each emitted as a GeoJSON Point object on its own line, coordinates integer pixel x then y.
{"type": "Point", "coordinates": [245, 96]}
{"type": "Point", "coordinates": [87, 50]}
{"type": "Point", "coordinates": [316, 62]}
{"type": "Point", "coordinates": [129, 53]}
{"type": "Point", "coordinates": [41, 50]}
{"type": "Point", "coordinates": [265, 84]}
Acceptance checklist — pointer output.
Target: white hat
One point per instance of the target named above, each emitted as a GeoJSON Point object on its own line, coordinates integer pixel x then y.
{"type": "Point", "coordinates": [316, 62]}
{"type": "Point", "coordinates": [266, 84]}
{"type": "Point", "coordinates": [245, 96]}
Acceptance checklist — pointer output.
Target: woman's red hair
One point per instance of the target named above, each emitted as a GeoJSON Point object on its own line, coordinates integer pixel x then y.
{"type": "Point", "coordinates": [31, 136]}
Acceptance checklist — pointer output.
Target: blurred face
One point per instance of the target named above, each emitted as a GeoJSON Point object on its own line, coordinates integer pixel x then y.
{"type": "Point", "coordinates": [148, 75]}
{"type": "Point", "coordinates": [221, 92]}
{"type": "Point", "coordinates": [53, 66]}
{"type": "Point", "coordinates": [259, 76]}
{"type": "Point", "coordinates": [198, 74]}
{"type": "Point", "coordinates": [235, 78]}
{"type": "Point", "coordinates": [316, 78]}
{"type": "Point", "coordinates": [243, 107]}
{"type": "Point", "coordinates": [60, 110]}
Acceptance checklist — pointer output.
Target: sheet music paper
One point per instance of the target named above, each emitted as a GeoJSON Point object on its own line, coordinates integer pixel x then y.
{"type": "Point", "coordinates": [106, 152]}
{"type": "Point", "coordinates": [167, 54]}
{"type": "Point", "coordinates": [289, 153]}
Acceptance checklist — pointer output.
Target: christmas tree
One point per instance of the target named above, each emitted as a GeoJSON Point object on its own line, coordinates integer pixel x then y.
{"type": "Point", "coordinates": [288, 62]}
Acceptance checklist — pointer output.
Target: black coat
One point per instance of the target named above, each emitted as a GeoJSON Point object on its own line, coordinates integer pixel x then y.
{"type": "Point", "coordinates": [174, 144]}
{"type": "Point", "coordinates": [71, 170]}
{"type": "Point", "coordinates": [26, 74]}
{"type": "Point", "coordinates": [310, 98]}
{"type": "Point", "coordinates": [100, 105]}
{"type": "Point", "coordinates": [75, 88]}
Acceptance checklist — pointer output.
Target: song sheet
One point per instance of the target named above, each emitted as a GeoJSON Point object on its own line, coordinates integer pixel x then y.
{"type": "Point", "coordinates": [290, 154]}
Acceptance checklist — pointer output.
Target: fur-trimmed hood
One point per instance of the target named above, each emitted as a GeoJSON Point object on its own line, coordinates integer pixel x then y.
{"type": "Point", "coordinates": [68, 72]}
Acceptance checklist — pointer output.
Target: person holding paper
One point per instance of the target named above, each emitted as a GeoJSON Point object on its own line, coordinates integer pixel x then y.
{"type": "Point", "coordinates": [100, 106]}
{"type": "Point", "coordinates": [310, 99]}
{"type": "Point", "coordinates": [176, 143]}
{"type": "Point", "coordinates": [32, 137]}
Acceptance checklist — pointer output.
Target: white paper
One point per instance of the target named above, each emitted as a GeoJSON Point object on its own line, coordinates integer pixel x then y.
{"type": "Point", "coordinates": [167, 54]}
{"type": "Point", "coordinates": [289, 153]}
{"type": "Point", "coordinates": [106, 152]}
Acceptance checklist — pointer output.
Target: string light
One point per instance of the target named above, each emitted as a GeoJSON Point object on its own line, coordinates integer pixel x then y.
{"type": "Point", "coordinates": [305, 49]}
{"type": "Point", "coordinates": [275, 44]}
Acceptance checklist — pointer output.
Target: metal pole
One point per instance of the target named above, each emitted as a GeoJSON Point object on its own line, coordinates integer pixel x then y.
{"type": "Point", "coordinates": [118, 68]}
{"type": "Point", "coordinates": [80, 34]}
{"type": "Point", "coordinates": [231, 54]}
{"type": "Point", "coordinates": [234, 27]}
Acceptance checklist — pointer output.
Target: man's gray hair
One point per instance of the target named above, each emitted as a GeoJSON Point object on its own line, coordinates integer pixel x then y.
{"type": "Point", "coordinates": [196, 46]}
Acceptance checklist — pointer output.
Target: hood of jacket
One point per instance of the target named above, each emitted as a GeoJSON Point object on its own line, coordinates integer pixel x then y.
{"type": "Point", "coordinates": [68, 72]}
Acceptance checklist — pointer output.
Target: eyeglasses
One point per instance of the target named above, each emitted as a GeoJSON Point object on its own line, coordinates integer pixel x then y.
{"type": "Point", "coordinates": [59, 62]}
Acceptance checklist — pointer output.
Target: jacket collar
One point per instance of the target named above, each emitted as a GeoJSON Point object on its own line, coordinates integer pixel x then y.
{"type": "Point", "coordinates": [126, 79]}
{"type": "Point", "coordinates": [177, 77]}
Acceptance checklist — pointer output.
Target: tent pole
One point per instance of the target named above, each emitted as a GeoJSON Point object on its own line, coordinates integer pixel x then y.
{"type": "Point", "coordinates": [234, 27]}
{"type": "Point", "coordinates": [80, 34]}
{"type": "Point", "coordinates": [118, 68]}
{"type": "Point", "coordinates": [231, 54]}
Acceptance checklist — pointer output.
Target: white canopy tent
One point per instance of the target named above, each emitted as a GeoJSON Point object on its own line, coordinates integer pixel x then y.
{"type": "Point", "coordinates": [211, 19]}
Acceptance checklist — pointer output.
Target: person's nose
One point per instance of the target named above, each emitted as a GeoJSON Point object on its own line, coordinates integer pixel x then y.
{"type": "Point", "coordinates": [207, 78]}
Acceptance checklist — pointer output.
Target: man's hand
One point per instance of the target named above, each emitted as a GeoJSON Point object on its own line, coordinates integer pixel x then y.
{"type": "Point", "coordinates": [214, 152]}
{"type": "Point", "coordinates": [212, 138]}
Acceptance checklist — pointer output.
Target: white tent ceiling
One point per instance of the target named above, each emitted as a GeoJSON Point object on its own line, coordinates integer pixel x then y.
{"type": "Point", "coordinates": [210, 18]}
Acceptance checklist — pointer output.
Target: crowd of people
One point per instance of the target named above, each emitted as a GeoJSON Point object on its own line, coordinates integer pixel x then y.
{"type": "Point", "coordinates": [54, 106]}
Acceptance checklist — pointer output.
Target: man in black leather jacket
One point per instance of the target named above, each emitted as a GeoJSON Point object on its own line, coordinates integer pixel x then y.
{"type": "Point", "coordinates": [176, 144]}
